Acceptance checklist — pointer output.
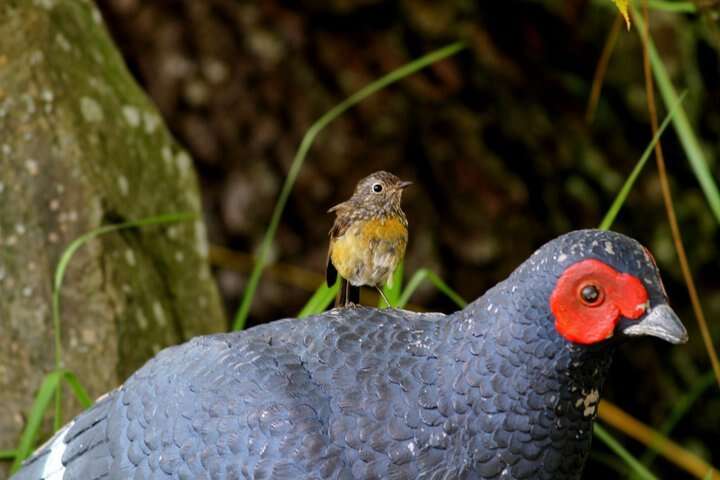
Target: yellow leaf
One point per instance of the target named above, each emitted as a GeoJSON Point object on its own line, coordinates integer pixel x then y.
{"type": "Point", "coordinates": [622, 5]}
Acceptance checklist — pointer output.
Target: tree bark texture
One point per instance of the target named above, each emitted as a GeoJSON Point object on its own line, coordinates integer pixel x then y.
{"type": "Point", "coordinates": [81, 146]}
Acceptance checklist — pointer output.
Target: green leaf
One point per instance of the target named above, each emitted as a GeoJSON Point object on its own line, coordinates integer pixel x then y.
{"type": "Point", "coordinates": [49, 387]}
{"type": "Point", "coordinates": [621, 452]}
{"type": "Point", "coordinates": [672, 6]}
{"type": "Point", "coordinates": [320, 300]}
{"type": "Point", "coordinates": [305, 144]}
{"type": "Point", "coordinates": [77, 389]}
{"type": "Point", "coordinates": [630, 181]}
{"type": "Point", "coordinates": [425, 274]}
{"type": "Point", "coordinates": [50, 383]}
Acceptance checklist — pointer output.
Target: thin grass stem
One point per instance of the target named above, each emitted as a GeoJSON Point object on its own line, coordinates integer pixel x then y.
{"type": "Point", "coordinates": [633, 428]}
{"type": "Point", "coordinates": [320, 300]}
{"type": "Point", "coordinates": [425, 274]}
{"type": "Point", "coordinates": [630, 181]}
{"type": "Point", "coordinates": [601, 68]}
{"type": "Point", "coordinates": [652, 62]}
{"type": "Point", "coordinates": [50, 384]}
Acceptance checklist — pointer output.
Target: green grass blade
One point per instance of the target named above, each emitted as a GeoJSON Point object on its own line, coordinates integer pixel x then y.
{"type": "Point", "coordinates": [79, 392]}
{"type": "Point", "coordinates": [672, 7]}
{"type": "Point", "coordinates": [320, 300]}
{"type": "Point", "coordinates": [49, 388]}
{"type": "Point", "coordinates": [445, 288]}
{"type": "Point", "coordinates": [425, 274]}
{"type": "Point", "coordinates": [621, 452]}
{"type": "Point", "coordinates": [630, 181]}
{"type": "Point", "coordinates": [393, 293]}
{"type": "Point", "coordinates": [305, 144]}
{"type": "Point", "coordinates": [40, 405]}
{"type": "Point", "coordinates": [669, 6]}
{"type": "Point", "coordinates": [415, 281]}
{"type": "Point", "coordinates": [77, 389]}
{"type": "Point", "coordinates": [7, 455]}
{"type": "Point", "coordinates": [684, 130]}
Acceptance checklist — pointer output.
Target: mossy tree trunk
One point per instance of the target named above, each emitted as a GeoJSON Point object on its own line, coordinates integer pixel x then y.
{"type": "Point", "coordinates": [81, 146]}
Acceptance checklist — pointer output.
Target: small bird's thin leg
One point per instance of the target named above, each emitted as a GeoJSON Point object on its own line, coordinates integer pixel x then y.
{"type": "Point", "coordinates": [349, 300]}
{"type": "Point", "coordinates": [382, 294]}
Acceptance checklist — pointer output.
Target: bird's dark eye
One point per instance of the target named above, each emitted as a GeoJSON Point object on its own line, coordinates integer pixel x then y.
{"type": "Point", "coordinates": [377, 187]}
{"type": "Point", "coordinates": [590, 294]}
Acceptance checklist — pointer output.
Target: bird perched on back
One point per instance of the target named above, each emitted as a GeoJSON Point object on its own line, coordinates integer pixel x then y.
{"type": "Point", "coordinates": [506, 388]}
{"type": "Point", "coordinates": [368, 237]}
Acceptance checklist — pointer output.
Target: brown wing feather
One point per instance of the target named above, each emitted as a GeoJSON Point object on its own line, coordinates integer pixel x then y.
{"type": "Point", "coordinates": [340, 206]}
{"type": "Point", "coordinates": [342, 222]}
{"type": "Point", "coordinates": [330, 272]}
{"type": "Point", "coordinates": [340, 226]}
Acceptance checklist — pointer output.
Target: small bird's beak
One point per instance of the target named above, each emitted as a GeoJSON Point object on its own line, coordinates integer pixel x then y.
{"type": "Point", "coordinates": [403, 184]}
{"type": "Point", "coordinates": [660, 322]}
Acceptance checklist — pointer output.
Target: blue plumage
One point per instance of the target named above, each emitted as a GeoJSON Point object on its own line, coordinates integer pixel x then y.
{"type": "Point", "coordinates": [490, 392]}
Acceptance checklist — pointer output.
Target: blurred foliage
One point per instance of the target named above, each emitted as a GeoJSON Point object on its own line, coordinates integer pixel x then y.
{"type": "Point", "coordinates": [495, 139]}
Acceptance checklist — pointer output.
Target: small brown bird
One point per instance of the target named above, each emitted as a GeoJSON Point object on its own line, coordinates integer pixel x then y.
{"type": "Point", "coordinates": [368, 238]}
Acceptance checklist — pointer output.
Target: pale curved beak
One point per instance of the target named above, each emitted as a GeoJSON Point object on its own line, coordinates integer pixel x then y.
{"type": "Point", "coordinates": [660, 322]}
{"type": "Point", "coordinates": [404, 184]}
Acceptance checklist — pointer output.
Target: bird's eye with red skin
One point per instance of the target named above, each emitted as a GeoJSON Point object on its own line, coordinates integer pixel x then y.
{"type": "Point", "coordinates": [377, 187]}
{"type": "Point", "coordinates": [591, 294]}
{"type": "Point", "coordinates": [589, 299]}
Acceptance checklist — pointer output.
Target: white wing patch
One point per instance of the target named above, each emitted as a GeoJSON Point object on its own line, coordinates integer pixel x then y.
{"type": "Point", "coordinates": [54, 469]}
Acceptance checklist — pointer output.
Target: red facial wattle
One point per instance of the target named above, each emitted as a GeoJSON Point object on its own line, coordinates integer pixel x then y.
{"type": "Point", "coordinates": [588, 322]}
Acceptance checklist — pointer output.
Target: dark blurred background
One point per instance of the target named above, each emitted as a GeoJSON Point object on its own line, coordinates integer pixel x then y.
{"type": "Point", "coordinates": [495, 139]}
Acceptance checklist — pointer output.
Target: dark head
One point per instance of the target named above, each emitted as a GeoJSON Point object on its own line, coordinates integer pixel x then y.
{"type": "Point", "coordinates": [603, 286]}
{"type": "Point", "coordinates": [379, 193]}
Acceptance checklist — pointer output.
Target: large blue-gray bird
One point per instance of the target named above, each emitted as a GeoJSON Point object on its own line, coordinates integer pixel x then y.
{"type": "Point", "coordinates": [506, 388]}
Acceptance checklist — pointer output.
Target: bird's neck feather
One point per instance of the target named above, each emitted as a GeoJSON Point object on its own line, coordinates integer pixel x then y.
{"type": "Point", "coordinates": [508, 350]}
